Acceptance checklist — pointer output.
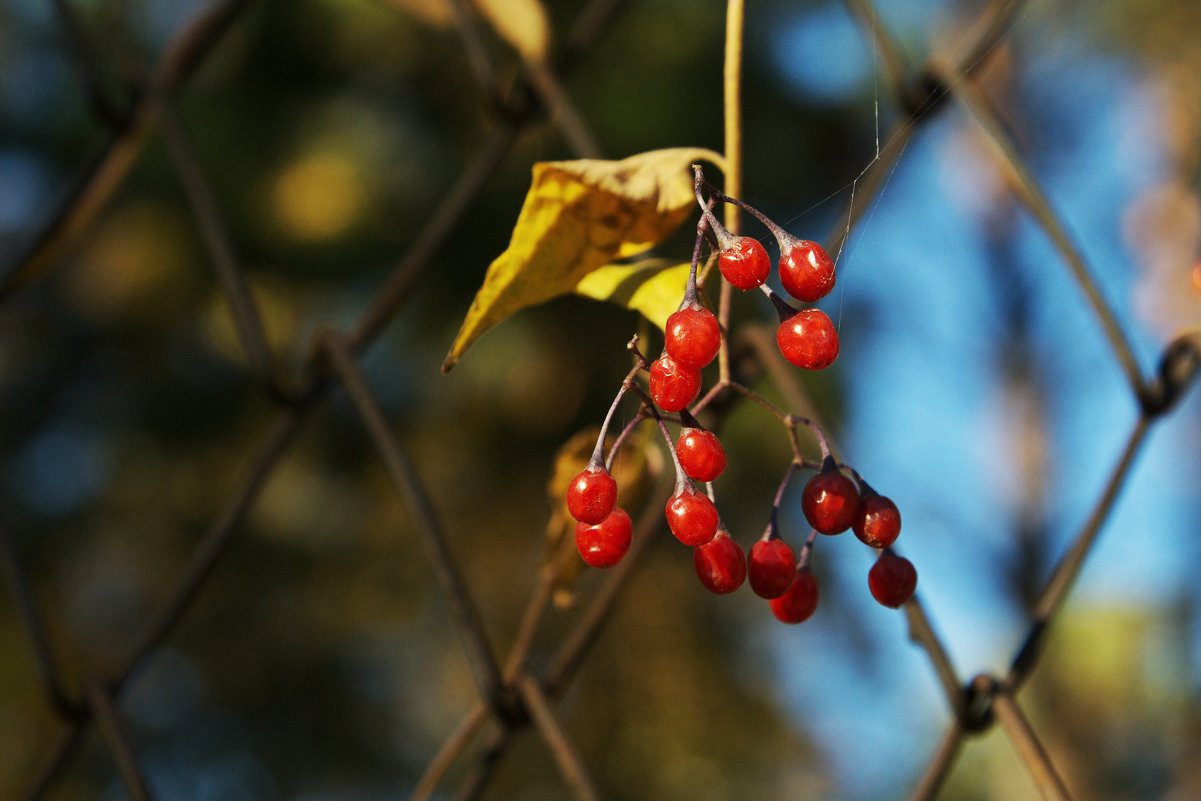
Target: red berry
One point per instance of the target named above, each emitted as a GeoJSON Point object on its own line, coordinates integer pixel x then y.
{"type": "Point", "coordinates": [605, 543]}
{"type": "Point", "coordinates": [877, 521]}
{"type": "Point", "coordinates": [692, 517]}
{"type": "Point", "coordinates": [806, 270]}
{"type": "Point", "coordinates": [701, 454]}
{"type": "Point", "coordinates": [799, 601]}
{"type": "Point", "coordinates": [892, 579]}
{"type": "Point", "coordinates": [673, 386]}
{"type": "Point", "coordinates": [720, 564]}
{"type": "Point", "coordinates": [829, 502]}
{"type": "Point", "coordinates": [692, 337]}
{"type": "Point", "coordinates": [772, 566]}
{"type": "Point", "coordinates": [744, 263]}
{"type": "Point", "coordinates": [591, 496]}
{"type": "Point", "coordinates": [808, 339]}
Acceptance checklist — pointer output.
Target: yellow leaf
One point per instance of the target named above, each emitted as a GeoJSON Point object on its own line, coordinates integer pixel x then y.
{"type": "Point", "coordinates": [652, 287]}
{"type": "Point", "coordinates": [577, 217]}
{"type": "Point", "coordinates": [521, 23]}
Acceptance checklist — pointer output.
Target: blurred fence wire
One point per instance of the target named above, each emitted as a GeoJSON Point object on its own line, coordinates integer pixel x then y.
{"type": "Point", "coordinates": [513, 696]}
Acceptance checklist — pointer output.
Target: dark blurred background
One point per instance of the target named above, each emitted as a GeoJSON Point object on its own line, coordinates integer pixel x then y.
{"type": "Point", "coordinates": [974, 388]}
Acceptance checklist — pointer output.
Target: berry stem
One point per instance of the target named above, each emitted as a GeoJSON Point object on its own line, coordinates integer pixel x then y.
{"type": "Point", "coordinates": [864, 487]}
{"type": "Point", "coordinates": [720, 196]}
{"type": "Point", "coordinates": [822, 442]}
{"type": "Point", "coordinates": [807, 549]}
{"type": "Point", "coordinates": [597, 461]}
{"type": "Point", "coordinates": [773, 520]}
{"type": "Point", "coordinates": [621, 437]}
{"type": "Point", "coordinates": [683, 482]}
{"type": "Point", "coordinates": [782, 306]}
{"type": "Point", "coordinates": [719, 230]}
{"type": "Point", "coordinates": [690, 300]}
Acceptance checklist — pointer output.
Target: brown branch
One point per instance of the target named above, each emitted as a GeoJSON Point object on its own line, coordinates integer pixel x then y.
{"type": "Point", "coordinates": [104, 172]}
{"type": "Point", "coordinates": [35, 631]}
{"type": "Point", "coordinates": [108, 723]}
{"type": "Point", "coordinates": [216, 239]}
{"type": "Point", "coordinates": [1033, 755]}
{"type": "Point", "coordinates": [1064, 576]}
{"type": "Point", "coordinates": [1035, 200]}
{"type": "Point", "coordinates": [425, 519]}
{"type": "Point", "coordinates": [551, 729]}
{"type": "Point", "coordinates": [939, 767]}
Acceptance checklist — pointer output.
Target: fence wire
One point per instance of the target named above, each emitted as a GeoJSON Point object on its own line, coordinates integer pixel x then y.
{"type": "Point", "coordinates": [513, 696]}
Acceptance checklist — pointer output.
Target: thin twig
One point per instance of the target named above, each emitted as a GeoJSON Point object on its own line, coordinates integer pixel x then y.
{"type": "Point", "coordinates": [1031, 195]}
{"type": "Point", "coordinates": [998, 18]}
{"type": "Point", "coordinates": [939, 767]}
{"type": "Point", "coordinates": [35, 632]}
{"type": "Point", "coordinates": [1064, 576]}
{"type": "Point", "coordinates": [561, 748]}
{"type": "Point", "coordinates": [88, 65]}
{"type": "Point", "coordinates": [426, 522]}
{"type": "Point", "coordinates": [452, 748]}
{"type": "Point", "coordinates": [56, 760]}
{"type": "Point", "coordinates": [215, 543]}
{"type": "Point", "coordinates": [732, 171]}
{"type": "Point", "coordinates": [104, 172]}
{"type": "Point", "coordinates": [216, 239]}
{"type": "Point", "coordinates": [562, 110]}
{"type": "Point", "coordinates": [108, 723]}
{"type": "Point", "coordinates": [1033, 755]}
{"type": "Point", "coordinates": [574, 649]}
{"type": "Point", "coordinates": [922, 633]}
{"type": "Point", "coordinates": [890, 54]}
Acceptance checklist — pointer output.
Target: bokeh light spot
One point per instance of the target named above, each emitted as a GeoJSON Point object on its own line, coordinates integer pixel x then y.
{"type": "Point", "coordinates": [318, 197]}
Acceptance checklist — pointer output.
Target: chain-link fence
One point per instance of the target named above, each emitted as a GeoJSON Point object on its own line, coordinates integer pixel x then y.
{"type": "Point", "coordinates": [521, 691]}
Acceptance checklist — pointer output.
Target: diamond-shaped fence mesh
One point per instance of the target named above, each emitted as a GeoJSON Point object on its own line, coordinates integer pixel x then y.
{"type": "Point", "coordinates": [523, 659]}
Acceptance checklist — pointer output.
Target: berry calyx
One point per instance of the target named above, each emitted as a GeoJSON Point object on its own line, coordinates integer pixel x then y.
{"type": "Point", "coordinates": [692, 337]}
{"type": "Point", "coordinates": [744, 262]}
{"type": "Point", "coordinates": [808, 339]}
{"type": "Point", "coordinates": [720, 564]}
{"type": "Point", "coordinates": [673, 386]}
{"type": "Point", "coordinates": [772, 566]}
{"type": "Point", "coordinates": [877, 520]}
{"type": "Point", "coordinates": [591, 495]}
{"type": "Point", "coordinates": [691, 516]}
{"type": "Point", "coordinates": [799, 601]}
{"type": "Point", "coordinates": [830, 501]}
{"type": "Point", "coordinates": [892, 580]}
{"type": "Point", "coordinates": [605, 543]}
{"type": "Point", "coordinates": [806, 270]}
{"type": "Point", "coordinates": [701, 454]}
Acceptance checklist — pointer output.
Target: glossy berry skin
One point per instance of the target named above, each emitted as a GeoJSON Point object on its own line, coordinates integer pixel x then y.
{"type": "Point", "coordinates": [720, 564]}
{"type": "Point", "coordinates": [744, 263]}
{"type": "Point", "coordinates": [692, 517]}
{"type": "Point", "coordinates": [808, 339]}
{"type": "Point", "coordinates": [673, 386]}
{"type": "Point", "coordinates": [591, 496]}
{"type": "Point", "coordinates": [772, 567]}
{"type": "Point", "coordinates": [830, 502]}
{"type": "Point", "coordinates": [799, 601]}
{"type": "Point", "coordinates": [877, 521]}
{"type": "Point", "coordinates": [806, 270]}
{"type": "Point", "coordinates": [700, 454]}
{"type": "Point", "coordinates": [692, 337]}
{"type": "Point", "coordinates": [605, 543]}
{"type": "Point", "coordinates": [892, 580]}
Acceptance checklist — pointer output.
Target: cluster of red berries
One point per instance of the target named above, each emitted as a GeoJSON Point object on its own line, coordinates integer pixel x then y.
{"type": "Point", "coordinates": [832, 501]}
